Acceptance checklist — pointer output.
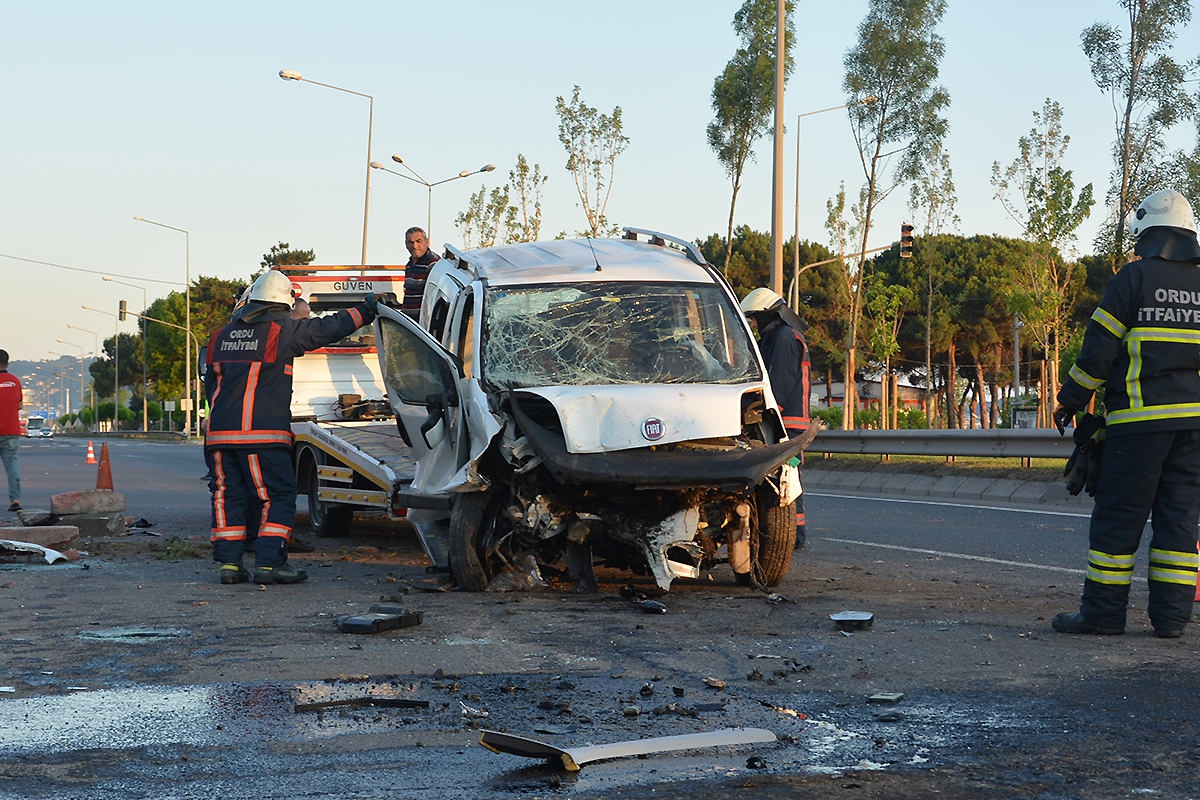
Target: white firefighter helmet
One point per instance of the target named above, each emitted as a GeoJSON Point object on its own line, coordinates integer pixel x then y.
{"type": "Point", "coordinates": [242, 299]}
{"type": "Point", "coordinates": [1165, 209]}
{"type": "Point", "coordinates": [760, 299]}
{"type": "Point", "coordinates": [272, 287]}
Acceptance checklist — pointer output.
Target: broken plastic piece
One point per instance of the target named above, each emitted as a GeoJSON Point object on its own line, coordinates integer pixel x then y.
{"type": "Point", "coordinates": [853, 620]}
{"type": "Point", "coordinates": [8, 547]}
{"type": "Point", "coordinates": [375, 622]}
{"type": "Point", "coordinates": [378, 702]}
{"type": "Point", "coordinates": [652, 607]}
{"type": "Point", "coordinates": [574, 758]}
{"type": "Point", "coordinates": [714, 683]}
{"type": "Point", "coordinates": [472, 713]}
{"type": "Point", "coordinates": [886, 697]}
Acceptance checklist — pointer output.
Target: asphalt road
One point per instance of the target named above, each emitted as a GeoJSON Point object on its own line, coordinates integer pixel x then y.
{"type": "Point", "coordinates": [995, 704]}
{"type": "Point", "coordinates": [160, 481]}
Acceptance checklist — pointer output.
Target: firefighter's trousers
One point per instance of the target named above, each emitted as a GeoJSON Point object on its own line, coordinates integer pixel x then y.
{"type": "Point", "coordinates": [242, 478]}
{"type": "Point", "coordinates": [1145, 474]}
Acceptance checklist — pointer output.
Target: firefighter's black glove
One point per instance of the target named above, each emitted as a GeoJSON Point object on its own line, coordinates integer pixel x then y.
{"type": "Point", "coordinates": [1083, 467]}
{"type": "Point", "coordinates": [1062, 418]}
{"type": "Point", "coordinates": [373, 301]}
{"type": "Point", "coordinates": [1095, 454]}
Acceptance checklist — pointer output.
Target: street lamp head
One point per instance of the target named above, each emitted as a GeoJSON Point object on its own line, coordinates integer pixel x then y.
{"type": "Point", "coordinates": [106, 278]}
{"type": "Point", "coordinates": [488, 168]}
{"type": "Point", "coordinates": [869, 99]}
{"type": "Point", "coordinates": [466, 173]}
{"type": "Point", "coordinates": [140, 219]}
{"type": "Point", "coordinates": [397, 159]}
{"type": "Point", "coordinates": [377, 165]}
{"type": "Point", "coordinates": [290, 75]}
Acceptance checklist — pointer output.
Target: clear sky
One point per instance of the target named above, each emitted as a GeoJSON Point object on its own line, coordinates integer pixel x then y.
{"type": "Point", "coordinates": [175, 112]}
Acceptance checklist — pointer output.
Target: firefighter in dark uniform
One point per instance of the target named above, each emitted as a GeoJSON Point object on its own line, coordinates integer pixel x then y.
{"type": "Point", "coordinates": [249, 439]}
{"type": "Point", "coordinates": [1143, 346]}
{"type": "Point", "coordinates": [781, 340]}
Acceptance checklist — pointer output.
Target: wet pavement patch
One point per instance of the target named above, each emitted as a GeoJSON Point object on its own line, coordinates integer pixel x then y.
{"type": "Point", "coordinates": [135, 635]}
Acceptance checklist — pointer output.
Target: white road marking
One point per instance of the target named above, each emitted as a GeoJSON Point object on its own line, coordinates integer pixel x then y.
{"type": "Point", "coordinates": [956, 555]}
{"type": "Point", "coordinates": [952, 505]}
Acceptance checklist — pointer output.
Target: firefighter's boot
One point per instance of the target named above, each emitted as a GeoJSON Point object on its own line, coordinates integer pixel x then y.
{"type": "Point", "coordinates": [284, 573]}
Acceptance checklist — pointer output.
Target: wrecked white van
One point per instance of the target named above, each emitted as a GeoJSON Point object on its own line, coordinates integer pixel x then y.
{"type": "Point", "coordinates": [583, 402]}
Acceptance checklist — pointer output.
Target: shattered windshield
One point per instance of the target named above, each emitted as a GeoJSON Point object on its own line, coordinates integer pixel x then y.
{"type": "Point", "coordinates": [583, 334]}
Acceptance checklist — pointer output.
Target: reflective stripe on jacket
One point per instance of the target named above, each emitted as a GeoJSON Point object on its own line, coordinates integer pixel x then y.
{"type": "Point", "coordinates": [249, 378]}
{"type": "Point", "coordinates": [1143, 346]}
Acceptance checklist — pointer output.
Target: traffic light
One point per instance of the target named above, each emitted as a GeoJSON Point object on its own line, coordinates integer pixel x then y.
{"type": "Point", "coordinates": [121, 313]}
{"type": "Point", "coordinates": [906, 240]}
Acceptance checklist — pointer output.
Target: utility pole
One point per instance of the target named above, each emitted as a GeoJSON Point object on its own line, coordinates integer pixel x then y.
{"type": "Point", "coordinates": [777, 172]}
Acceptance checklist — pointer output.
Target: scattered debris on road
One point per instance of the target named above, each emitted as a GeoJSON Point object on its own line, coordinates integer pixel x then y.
{"type": "Point", "coordinates": [652, 607]}
{"type": "Point", "coordinates": [886, 697]}
{"type": "Point", "coordinates": [574, 758]}
{"type": "Point", "coordinates": [24, 550]}
{"type": "Point", "coordinates": [853, 620]}
{"type": "Point", "coordinates": [361, 702]}
{"type": "Point", "coordinates": [714, 683]}
{"type": "Point", "coordinates": [472, 713]}
{"type": "Point", "coordinates": [381, 617]}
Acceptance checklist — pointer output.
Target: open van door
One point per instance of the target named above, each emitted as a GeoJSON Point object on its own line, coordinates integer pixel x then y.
{"type": "Point", "coordinates": [422, 380]}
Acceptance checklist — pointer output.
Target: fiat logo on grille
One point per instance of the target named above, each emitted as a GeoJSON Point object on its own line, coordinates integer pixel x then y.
{"type": "Point", "coordinates": [653, 429]}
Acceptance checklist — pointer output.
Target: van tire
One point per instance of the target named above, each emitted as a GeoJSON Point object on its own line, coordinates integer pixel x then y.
{"type": "Point", "coordinates": [467, 519]}
{"type": "Point", "coordinates": [771, 550]}
{"type": "Point", "coordinates": [328, 520]}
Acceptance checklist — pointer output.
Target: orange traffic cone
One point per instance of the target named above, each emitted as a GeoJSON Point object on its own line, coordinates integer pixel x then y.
{"type": "Point", "coordinates": [91, 454]}
{"type": "Point", "coordinates": [104, 474]}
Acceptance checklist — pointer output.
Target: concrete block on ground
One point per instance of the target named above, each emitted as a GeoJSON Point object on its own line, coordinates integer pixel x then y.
{"type": "Point", "coordinates": [815, 477]}
{"type": "Point", "coordinates": [921, 485]}
{"type": "Point", "coordinates": [87, 501]}
{"type": "Point", "coordinates": [1001, 489]}
{"type": "Point", "coordinates": [55, 537]}
{"type": "Point", "coordinates": [945, 487]}
{"type": "Point", "coordinates": [973, 488]}
{"type": "Point", "coordinates": [1031, 492]}
{"type": "Point", "coordinates": [897, 483]}
{"type": "Point", "coordinates": [93, 525]}
{"type": "Point", "coordinates": [34, 516]}
{"type": "Point", "coordinates": [874, 480]}
{"type": "Point", "coordinates": [853, 480]}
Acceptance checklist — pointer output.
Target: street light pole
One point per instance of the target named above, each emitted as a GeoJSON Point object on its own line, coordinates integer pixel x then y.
{"type": "Point", "coordinates": [116, 365]}
{"type": "Point", "coordinates": [466, 173]}
{"type": "Point", "coordinates": [142, 325]}
{"type": "Point", "coordinates": [187, 363]}
{"type": "Point", "coordinates": [95, 355]}
{"type": "Point", "coordinates": [292, 75]}
{"type": "Point", "coordinates": [794, 294]}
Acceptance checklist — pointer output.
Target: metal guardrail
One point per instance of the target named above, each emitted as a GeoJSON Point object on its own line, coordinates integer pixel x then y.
{"type": "Point", "coordinates": [159, 436]}
{"type": "Point", "coordinates": [993, 443]}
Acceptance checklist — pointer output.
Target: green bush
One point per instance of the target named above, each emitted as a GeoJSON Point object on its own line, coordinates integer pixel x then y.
{"type": "Point", "coordinates": [907, 418]}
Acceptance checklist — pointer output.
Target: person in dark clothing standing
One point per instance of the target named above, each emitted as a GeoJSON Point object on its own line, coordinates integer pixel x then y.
{"type": "Point", "coordinates": [421, 258]}
{"type": "Point", "coordinates": [1142, 346]}
{"type": "Point", "coordinates": [781, 340]}
{"type": "Point", "coordinates": [249, 438]}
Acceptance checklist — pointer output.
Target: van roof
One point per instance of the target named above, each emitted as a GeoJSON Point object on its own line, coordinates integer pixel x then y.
{"type": "Point", "coordinates": [576, 260]}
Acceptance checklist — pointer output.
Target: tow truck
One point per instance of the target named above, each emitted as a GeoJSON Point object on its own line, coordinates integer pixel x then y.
{"type": "Point", "coordinates": [349, 454]}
